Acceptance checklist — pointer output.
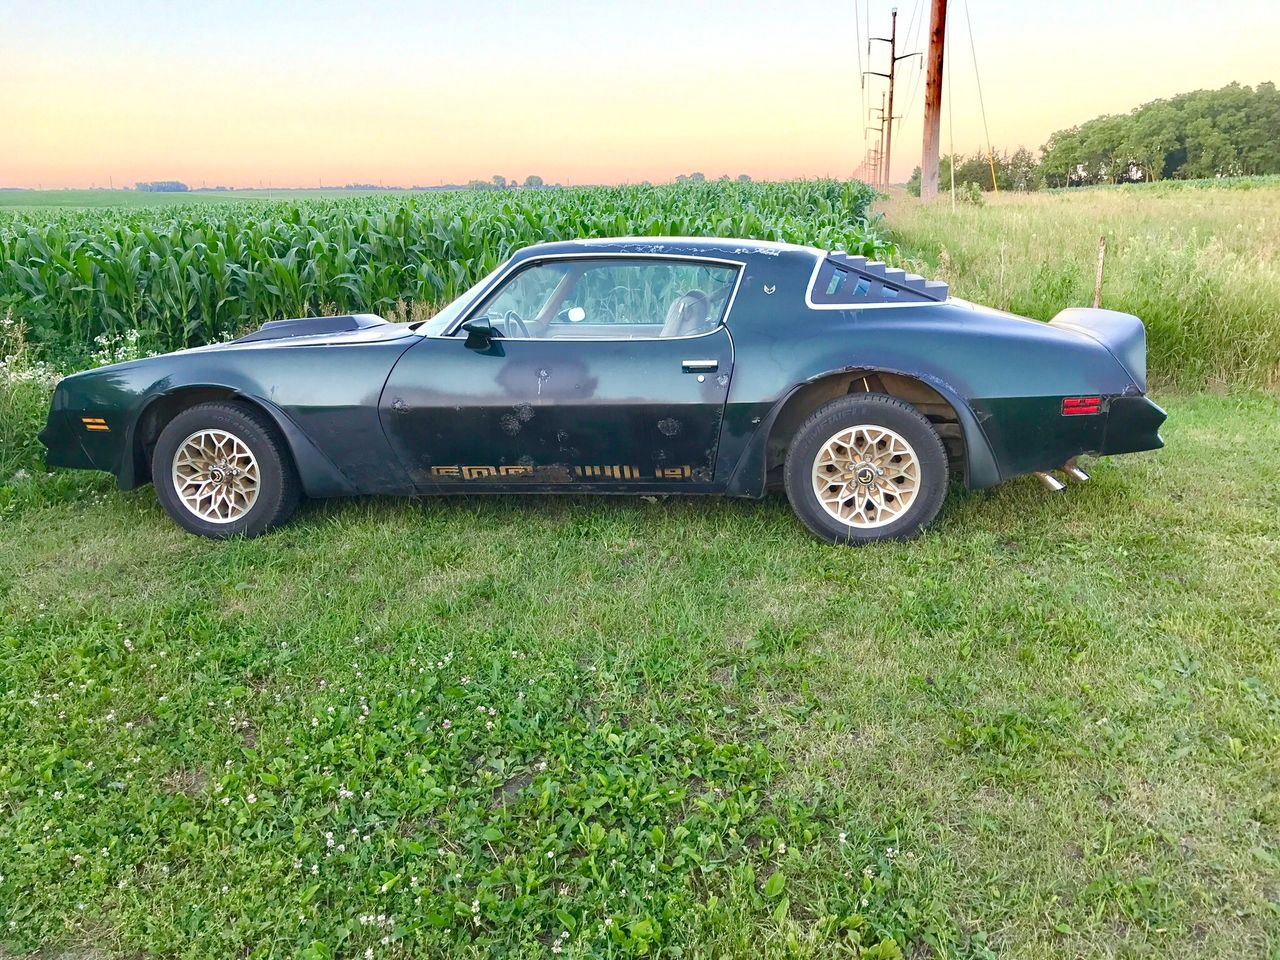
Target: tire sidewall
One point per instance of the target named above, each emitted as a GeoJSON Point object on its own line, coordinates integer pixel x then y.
{"type": "Point", "coordinates": [235, 421]}
{"type": "Point", "coordinates": [877, 410]}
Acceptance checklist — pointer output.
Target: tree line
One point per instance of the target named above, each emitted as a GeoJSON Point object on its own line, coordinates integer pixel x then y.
{"type": "Point", "coordinates": [1230, 132]}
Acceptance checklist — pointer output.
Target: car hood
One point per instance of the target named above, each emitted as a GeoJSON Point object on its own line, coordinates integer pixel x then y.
{"type": "Point", "coordinates": [310, 332]}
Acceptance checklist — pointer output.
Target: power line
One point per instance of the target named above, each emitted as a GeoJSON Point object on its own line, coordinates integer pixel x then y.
{"type": "Point", "coordinates": [913, 36]}
{"type": "Point", "coordinates": [862, 79]}
{"type": "Point", "coordinates": [951, 124]}
{"type": "Point", "coordinates": [981, 103]}
{"type": "Point", "coordinates": [911, 98]}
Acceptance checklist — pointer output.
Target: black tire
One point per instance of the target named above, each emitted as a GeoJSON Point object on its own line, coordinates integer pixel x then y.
{"type": "Point", "coordinates": [878, 410]}
{"type": "Point", "coordinates": [278, 490]}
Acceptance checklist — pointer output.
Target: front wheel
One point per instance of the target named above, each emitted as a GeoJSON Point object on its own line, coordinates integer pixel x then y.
{"type": "Point", "coordinates": [222, 469]}
{"type": "Point", "coordinates": [866, 467]}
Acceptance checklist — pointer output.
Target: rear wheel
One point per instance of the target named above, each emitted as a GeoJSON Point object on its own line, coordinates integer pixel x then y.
{"type": "Point", "coordinates": [222, 469]}
{"type": "Point", "coordinates": [866, 467]}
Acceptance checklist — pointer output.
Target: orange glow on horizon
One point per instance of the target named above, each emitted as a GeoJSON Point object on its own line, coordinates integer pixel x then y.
{"type": "Point", "coordinates": [322, 94]}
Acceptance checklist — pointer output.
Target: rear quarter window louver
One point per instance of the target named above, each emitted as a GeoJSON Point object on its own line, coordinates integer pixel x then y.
{"type": "Point", "coordinates": [843, 279]}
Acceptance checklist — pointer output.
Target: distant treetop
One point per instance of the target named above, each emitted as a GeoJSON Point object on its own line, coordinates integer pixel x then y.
{"type": "Point", "coordinates": [161, 186]}
{"type": "Point", "coordinates": [1230, 132]}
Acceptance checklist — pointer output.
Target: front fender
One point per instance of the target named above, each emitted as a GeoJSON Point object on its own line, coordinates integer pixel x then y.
{"type": "Point", "coordinates": [319, 476]}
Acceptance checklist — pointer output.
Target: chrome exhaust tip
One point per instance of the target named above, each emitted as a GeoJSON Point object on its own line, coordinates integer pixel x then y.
{"type": "Point", "coordinates": [1075, 473]}
{"type": "Point", "coordinates": [1050, 481]}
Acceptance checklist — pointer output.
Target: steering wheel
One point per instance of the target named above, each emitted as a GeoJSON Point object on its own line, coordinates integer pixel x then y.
{"type": "Point", "coordinates": [510, 316]}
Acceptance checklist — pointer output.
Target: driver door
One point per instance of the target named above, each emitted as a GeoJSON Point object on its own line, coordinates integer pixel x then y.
{"type": "Point", "coordinates": [598, 373]}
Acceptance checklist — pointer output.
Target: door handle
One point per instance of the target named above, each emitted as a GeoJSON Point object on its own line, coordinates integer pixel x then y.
{"type": "Point", "coordinates": [699, 366]}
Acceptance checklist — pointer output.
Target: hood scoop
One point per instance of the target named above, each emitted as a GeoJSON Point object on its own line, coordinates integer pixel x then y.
{"type": "Point", "coordinates": [313, 327]}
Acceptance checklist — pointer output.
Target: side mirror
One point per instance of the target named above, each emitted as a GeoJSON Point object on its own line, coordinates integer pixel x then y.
{"type": "Point", "coordinates": [480, 333]}
{"type": "Point", "coordinates": [577, 314]}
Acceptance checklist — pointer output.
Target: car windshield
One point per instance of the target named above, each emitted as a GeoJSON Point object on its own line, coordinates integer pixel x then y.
{"type": "Point", "coordinates": [441, 322]}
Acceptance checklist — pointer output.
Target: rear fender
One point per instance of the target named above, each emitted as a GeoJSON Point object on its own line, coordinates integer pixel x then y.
{"type": "Point", "coordinates": [750, 475]}
{"type": "Point", "coordinates": [1121, 334]}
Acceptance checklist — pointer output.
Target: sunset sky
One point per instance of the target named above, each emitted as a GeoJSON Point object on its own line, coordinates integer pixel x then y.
{"type": "Point", "coordinates": [307, 93]}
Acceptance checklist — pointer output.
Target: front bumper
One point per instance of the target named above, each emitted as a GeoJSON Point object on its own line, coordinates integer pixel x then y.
{"type": "Point", "coordinates": [64, 443]}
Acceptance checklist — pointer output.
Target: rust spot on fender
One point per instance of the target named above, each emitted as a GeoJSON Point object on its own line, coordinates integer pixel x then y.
{"type": "Point", "coordinates": [669, 427]}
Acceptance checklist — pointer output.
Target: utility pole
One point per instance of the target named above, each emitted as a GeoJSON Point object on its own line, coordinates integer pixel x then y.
{"type": "Point", "coordinates": [933, 100]}
{"type": "Point", "coordinates": [878, 152]}
{"type": "Point", "coordinates": [894, 57]}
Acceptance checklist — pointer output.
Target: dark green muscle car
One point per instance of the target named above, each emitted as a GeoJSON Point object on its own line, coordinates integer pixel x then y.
{"type": "Point", "coordinates": [644, 365]}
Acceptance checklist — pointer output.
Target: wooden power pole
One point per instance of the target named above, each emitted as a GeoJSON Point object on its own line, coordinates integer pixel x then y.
{"type": "Point", "coordinates": [933, 100]}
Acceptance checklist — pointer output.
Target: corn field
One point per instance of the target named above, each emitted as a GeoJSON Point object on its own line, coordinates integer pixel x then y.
{"type": "Point", "coordinates": [183, 275]}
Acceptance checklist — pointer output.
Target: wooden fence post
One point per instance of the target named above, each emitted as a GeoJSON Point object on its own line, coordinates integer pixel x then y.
{"type": "Point", "coordinates": [1097, 276]}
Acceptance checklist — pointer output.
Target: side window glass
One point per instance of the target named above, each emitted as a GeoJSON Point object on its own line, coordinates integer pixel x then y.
{"type": "Point", "coordinates": [611, 299]}
{"type": "Point", "coordinates": [843, 280]}
{"type": "Point", "coordinates": [526, 293]}
{"type": "Point", "coordinates": [645, 298]}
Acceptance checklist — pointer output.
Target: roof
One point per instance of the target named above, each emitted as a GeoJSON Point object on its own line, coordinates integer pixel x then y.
{"type": "Point", "coordinates": [875, 282]}
{"type": "Point", "coordinates": [678, 246]}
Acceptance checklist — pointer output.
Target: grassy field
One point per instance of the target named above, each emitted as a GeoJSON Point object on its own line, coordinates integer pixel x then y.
{"type": "Point", "coordinates": [461, 727]}
{"type": "Point", "coordinates": [678, 728]}
{"type": "Point", "coordinates": [1199, 263]}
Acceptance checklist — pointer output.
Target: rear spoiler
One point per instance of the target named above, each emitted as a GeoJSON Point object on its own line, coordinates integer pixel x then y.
{"type": "Point", "coordinates": [1122, 334]}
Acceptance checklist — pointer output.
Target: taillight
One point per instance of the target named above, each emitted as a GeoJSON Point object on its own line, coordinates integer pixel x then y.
{"type": "Point", "coordinates": [1081, 406]}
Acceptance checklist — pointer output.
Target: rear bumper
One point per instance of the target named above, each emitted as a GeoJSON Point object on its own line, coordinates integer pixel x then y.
{"type": "Point", "coordinates": [1133, 424]}
{"type": "Point", "coordinates": [1029, 434]}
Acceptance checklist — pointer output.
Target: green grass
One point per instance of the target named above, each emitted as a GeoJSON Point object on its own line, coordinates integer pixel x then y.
{"type": "Point", "coordinates": [1199, 264]}
{"type": "Point", "coordinates": [1049, 728]}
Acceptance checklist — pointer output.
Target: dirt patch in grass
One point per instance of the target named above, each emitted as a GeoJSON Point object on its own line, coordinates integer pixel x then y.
{"type": "Point", "coordinates": [188, 781]}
